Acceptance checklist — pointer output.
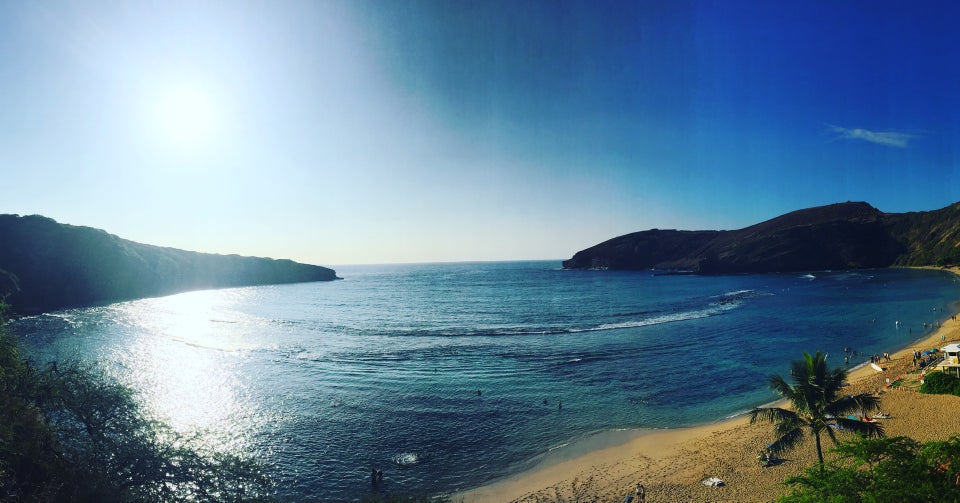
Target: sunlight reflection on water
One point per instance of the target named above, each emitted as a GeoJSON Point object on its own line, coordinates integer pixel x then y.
{"type": "Point", "coordinates": [184, 362]}
{"type": "Point", "coordinates": [323, 381]}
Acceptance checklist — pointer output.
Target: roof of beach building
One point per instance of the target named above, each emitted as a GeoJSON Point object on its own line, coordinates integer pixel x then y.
{"type": "Point", "coordinates": [951, 348]}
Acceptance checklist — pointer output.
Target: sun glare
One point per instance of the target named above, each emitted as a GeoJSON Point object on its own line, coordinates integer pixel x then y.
{"type": "Point", "coordinates": [186, 362]}
{"type": "Point", "coordinates": [186, 116]}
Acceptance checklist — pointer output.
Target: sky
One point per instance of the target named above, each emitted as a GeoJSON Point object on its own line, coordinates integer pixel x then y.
{"type": "Point", "coordinates": [347, 132]}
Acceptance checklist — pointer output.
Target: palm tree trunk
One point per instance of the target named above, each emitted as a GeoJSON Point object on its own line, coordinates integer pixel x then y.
{"type": "Point", "coordinates": [816, 435]}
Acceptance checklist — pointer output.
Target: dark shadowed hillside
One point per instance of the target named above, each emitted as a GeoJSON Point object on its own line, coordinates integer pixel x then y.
{"type": "Point", "coordinates": [45, 265]}
{"type": "Point", "coordinates": [930, 237]}
{"type": "Point", "coordinates": [850, 235]}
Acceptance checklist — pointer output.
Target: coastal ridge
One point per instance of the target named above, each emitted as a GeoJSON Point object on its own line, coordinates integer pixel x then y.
{"type": "Point", "coordinates": [46, 265]}
{"type": "Point", "coordinates": [851, 235]}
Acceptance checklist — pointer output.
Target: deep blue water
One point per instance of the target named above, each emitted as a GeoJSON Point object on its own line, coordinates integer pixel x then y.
{"type": "Point", "coordinates": [325, 380]}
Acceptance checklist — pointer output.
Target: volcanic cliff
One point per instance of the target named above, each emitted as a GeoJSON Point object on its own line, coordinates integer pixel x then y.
{"type": "Point", "coordinates": [45, 265]}
{"type": "Point", "coordinates": [851, 235]}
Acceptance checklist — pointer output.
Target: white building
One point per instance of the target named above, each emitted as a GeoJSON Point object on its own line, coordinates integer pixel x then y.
{"type": "Point", "coordinates": [951, 359]}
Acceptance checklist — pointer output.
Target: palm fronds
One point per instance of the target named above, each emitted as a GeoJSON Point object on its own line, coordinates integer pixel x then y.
{"type": "Point", "coordinates": [817, 405]}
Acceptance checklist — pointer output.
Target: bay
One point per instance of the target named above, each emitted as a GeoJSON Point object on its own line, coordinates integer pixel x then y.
{"type": "Point", "coordinates": [447, 376]}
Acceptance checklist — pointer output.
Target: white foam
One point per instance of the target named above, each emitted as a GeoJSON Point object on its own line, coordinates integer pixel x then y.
{"type": "Point", "coordinates": [658, 320]}
{"type": "Point", "coordinates": [738, 293]}
{"type": "Point", "coordinates": [406, 458]}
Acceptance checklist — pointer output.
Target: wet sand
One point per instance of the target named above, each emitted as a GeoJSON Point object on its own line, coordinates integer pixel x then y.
{"type": "Point", "coordinates": [672, 463]}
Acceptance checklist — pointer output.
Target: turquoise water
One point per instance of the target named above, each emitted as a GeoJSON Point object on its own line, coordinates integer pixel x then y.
{"type": "Point", "coordinates": [447, 376]}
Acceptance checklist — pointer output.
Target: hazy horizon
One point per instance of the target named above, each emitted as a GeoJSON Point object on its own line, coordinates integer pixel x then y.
{"type": "Point", "coordinates": [360, 132]}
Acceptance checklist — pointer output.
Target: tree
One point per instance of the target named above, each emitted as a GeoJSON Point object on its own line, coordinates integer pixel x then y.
{"type": "Point", "coordinates": [817, 406]}
{"type": "Point", "coordinates": [69, 432]}
{"type": "Point", "coordinates": [880, 470]}
{"type": "Point", "coordinates": [120, 454]}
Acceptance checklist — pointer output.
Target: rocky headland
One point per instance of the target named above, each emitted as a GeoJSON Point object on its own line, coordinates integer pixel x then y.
{"type": "Point", "coordinates": [45, 265]}
{"type": "Point", "coordinates": [851, 235]}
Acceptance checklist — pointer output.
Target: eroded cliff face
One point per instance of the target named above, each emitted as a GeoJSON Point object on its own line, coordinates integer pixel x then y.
{"type": "Point", "coordinates": [849, 235]}
{"type": "Point", "coordinates": [50, 266]}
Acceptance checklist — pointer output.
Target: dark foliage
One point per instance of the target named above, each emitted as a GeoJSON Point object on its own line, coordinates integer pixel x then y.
{"type": "Point", "coordinates": [939, 383]}
{"type": "Point", "coordinates": [69, 433]}
{"type": "Point", "coordinates": [883, 470]}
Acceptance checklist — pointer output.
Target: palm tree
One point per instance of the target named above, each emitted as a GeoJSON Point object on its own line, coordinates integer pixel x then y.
{"type": "Point", "coordinates": [816, 405]}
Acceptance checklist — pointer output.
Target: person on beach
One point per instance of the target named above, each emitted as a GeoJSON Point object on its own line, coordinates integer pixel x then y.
{"type": "Point", "coordinates": [641, 493]}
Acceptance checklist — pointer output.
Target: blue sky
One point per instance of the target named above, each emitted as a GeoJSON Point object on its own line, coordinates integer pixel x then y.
{"type": "Point", "coordinates": [407, 131]}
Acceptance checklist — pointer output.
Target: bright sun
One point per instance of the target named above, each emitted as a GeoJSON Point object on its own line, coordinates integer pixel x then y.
{"type": "Point", "coordinates": [186, 116]}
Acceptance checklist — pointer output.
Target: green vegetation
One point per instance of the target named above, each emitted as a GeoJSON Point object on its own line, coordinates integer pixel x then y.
{"type": "Point", "coordinates": [880, 470]}
{"type": "Point", "coordinates": [817, 405]}
{"type": "Point", "coordinates": [930, 236]}
{"type": "Point", "coordinates": [70, 433]}
{"type": "Point", "coordinates": [939, 383]}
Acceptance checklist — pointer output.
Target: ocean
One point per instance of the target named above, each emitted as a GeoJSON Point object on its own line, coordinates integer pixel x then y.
{"type": "Point", "coordinates": [448, 376]}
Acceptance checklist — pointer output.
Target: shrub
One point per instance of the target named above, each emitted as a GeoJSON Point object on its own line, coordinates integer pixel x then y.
{"type": "Point", "coordinates": [74, 434]}
{"type": "Point", "coordinates": [892, 470]}
{"type": "Point", "coordinates": [939, 383]}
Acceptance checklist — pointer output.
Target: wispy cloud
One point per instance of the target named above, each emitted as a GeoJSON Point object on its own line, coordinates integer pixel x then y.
{"type": "Point", "coordinates": [890, 139]}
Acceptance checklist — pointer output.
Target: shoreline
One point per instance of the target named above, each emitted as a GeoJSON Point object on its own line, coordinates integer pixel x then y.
{"type": "Point", "coordinates": [671, 462]}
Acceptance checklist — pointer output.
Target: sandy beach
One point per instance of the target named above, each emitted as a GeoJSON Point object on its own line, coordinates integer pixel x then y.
{"type": "Point", "coordinates": [672, 463]}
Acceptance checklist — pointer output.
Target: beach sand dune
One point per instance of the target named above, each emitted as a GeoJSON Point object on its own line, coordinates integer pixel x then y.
{"type": "Point", "coordinates": [672, 463]}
